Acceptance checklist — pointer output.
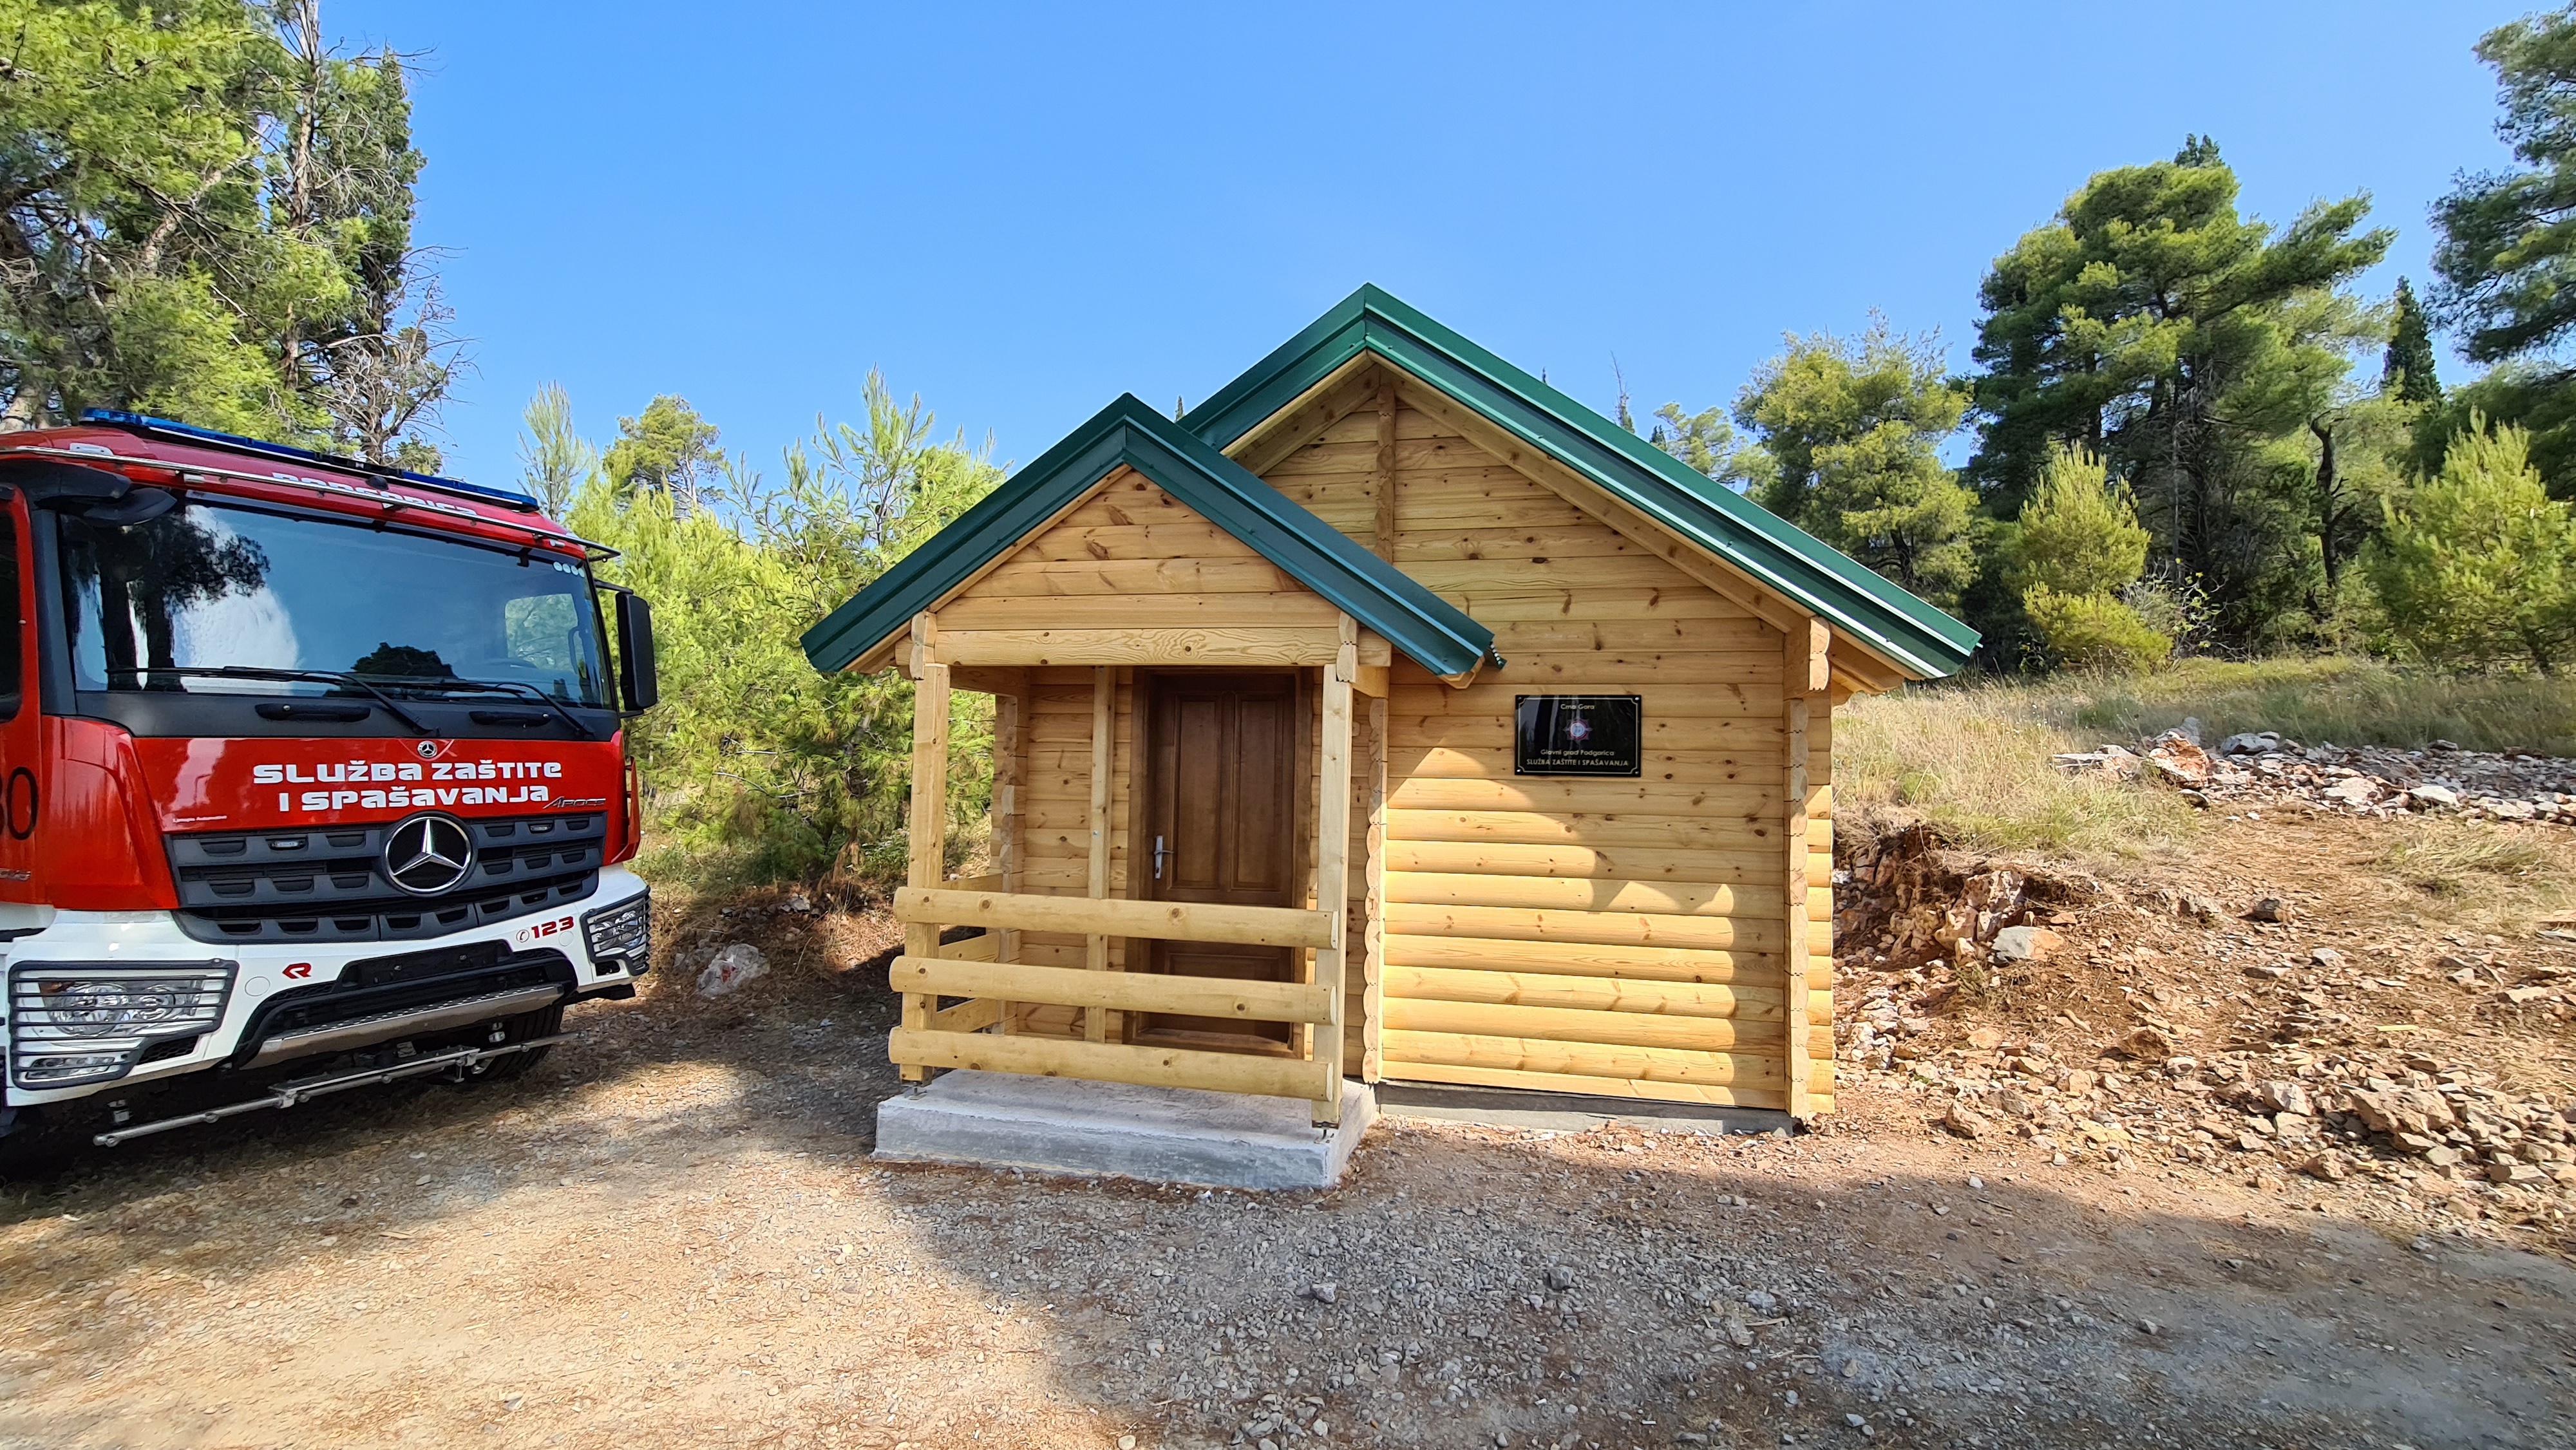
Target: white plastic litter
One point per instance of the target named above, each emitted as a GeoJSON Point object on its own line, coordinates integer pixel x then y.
{"type": "Point", "coordinates": [730, 968]}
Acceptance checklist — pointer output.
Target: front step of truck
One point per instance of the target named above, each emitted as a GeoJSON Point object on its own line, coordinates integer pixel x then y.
{"type": "Point", "coordinates": [491, 1049]}
{"type": "Point", "coordinates": [465, 1063]}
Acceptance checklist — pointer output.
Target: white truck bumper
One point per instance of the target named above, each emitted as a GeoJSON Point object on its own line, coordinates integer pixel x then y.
{"type": "Point", "coordinates": [227, 985]}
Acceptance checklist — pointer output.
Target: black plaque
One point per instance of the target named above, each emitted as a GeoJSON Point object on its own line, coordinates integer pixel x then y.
{"type": "Point", "coordinates": [1578, 735]}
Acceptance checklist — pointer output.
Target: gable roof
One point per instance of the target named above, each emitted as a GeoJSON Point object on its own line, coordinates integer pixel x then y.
{"type": "Point", "coordinates": [1419, 623]}
{"type": "Point", "coordinates": [1907, 632]}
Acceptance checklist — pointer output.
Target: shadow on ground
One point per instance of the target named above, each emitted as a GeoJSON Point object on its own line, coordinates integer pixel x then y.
{"type": "Point", "coordinates": [668, 1234]}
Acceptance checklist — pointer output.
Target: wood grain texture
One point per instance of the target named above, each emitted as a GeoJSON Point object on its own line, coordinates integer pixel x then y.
{"type": "Point", "coordinates": [1095, 946]}
{"type": "Point", "coordinates": [1332, 857]}
{"type": "Point", "coordinates": [1747, 803]}
{"type": "Point", "coordinates": [1123, 991]}
{"type": "Point", "coordinates": [1805, 671]}
{"type": "Point", "coordinates": [1249, 645]}
{"type": "Point", "coordinates": [1373, 998]}
{"type": "Point", "coordinates": [1580, 1059]}
{"type": "Point", "coordinates": [1673, 766]}
{"type": "Point", "coordinates": [1750, 866]}
{"type": "Point", "coordinates": [1225, 1072]}
{"type": "Point", "coordinates": [1562, 893]}
{"type": "Point", "coordinates": [927, 830]}
{"type": "Point", "coordinates": [1605, 928]}
{"type": "Point", "coordinates": [1593, 959]}
{"type": "Point", "coordinates": [1162, 611]}
{"type": "Point", "coordinates": [1551, 1082]}
{"type": "Point", "coordinates": [1577, 1027]}
{"type": "Point", "coordinates": [1583, 993]}
{"type": "Point", "coordinates": [1169, 920]}
{"type": "Point", "coordinates": [1497, 885]}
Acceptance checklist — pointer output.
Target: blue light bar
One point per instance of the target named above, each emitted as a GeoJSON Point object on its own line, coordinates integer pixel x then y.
{"type": "Point", "coordinates": [144, 423]}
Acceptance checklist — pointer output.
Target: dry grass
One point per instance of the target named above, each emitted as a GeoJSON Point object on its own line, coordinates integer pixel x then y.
{"type": "Point", "coordinates": [1975, 760]}
{"type": "Point", "coordinates": [1973, 756]}
{"type": "Point", "coordinates": [2493, 877]}
{"type": "Point", "coordinates": [2345, 701]}
{"type": "Point", "coordinates": [2450, 858]}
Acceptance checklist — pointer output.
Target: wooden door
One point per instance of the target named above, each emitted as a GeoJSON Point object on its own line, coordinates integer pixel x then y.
{"type": "Point", "coordinates": [1224, 760]}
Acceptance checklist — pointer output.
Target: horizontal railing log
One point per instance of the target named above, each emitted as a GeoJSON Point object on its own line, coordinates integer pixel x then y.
{"type": "Point", "coordinates": [1117, 991]}
{"type": "Point", "coordinates": [1225, 1072]}
{"type": "Point", "coordinates": [1270, 926]}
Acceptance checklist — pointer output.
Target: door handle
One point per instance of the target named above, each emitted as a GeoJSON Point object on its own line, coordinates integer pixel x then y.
{"type": "Point", "coordinates": [1159, 854]}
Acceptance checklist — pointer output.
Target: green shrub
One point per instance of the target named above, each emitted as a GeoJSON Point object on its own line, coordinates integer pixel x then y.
{"type": "Point", "coordinates": [760, 768]}
{"type": "Point", "coordinates": [2094, 631]}
{"type": "Point", "coordinates": [2479, 567]}
{"type": "Point", "coordinates": [2079, 533]}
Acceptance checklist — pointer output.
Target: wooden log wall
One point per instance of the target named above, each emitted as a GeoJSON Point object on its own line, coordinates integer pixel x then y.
{"type": "Point", "coordinates": [1625, 937]}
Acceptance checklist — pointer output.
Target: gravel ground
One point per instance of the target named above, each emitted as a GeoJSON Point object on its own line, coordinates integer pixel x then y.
{"type": "Point", "coordinates": [670, 1234]}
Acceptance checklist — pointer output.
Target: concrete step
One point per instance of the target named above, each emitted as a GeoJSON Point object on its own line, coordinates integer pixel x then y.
{"type": "Point", "coordinates": [1107, 1129]}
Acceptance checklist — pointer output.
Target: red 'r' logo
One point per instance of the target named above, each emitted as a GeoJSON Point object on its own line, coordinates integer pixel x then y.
{"type": "Point", "coordinates": [299, 971]}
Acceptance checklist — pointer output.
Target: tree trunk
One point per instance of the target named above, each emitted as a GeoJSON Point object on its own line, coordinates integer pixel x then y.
{"type": "Point", "coordinates": [2327, 508]}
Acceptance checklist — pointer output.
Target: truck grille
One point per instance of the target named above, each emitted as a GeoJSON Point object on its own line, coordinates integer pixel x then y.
{"type": "Point", "coordinates": [327, 883]}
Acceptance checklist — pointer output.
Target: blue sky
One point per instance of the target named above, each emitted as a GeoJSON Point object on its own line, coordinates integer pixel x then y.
{"type": "Point", "coordinates": [1021, 212]}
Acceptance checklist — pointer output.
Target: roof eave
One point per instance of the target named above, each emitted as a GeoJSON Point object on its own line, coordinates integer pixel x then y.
{"type": "Point", "coordinates": [1910, 635]}
{"type": "Point", "coordinates": [1416, 622]}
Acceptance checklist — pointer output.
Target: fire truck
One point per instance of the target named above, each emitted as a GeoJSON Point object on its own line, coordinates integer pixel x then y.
{"type": "Point", "coordinates": [312, 776]}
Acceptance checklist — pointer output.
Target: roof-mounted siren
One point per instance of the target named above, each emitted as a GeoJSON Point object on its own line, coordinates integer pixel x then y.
{"type": "Point", "coordinates": [177, 432]}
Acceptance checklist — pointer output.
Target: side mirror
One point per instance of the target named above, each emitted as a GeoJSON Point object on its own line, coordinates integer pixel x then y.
{"type": "Point", "coordinates": [638, 680]}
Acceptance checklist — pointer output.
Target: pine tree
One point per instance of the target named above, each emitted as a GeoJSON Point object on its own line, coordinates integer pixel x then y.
{"type": "Point", "coordinates": [2157, 325]}
{"type": "Point", "coordinates": [1853, 427]}
{"type": "Point", "coordinates": [2479, 567]}
{"type": "Point", "coordinates": [2078, 544]}
{"type": "Point", "coordinates": [2407, 370]}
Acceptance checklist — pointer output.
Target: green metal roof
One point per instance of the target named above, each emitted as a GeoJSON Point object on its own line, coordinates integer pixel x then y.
{"type": "Point", "coordinates": [1419, 623]}
{"type": "Point", "coordinates": [1910, 633]}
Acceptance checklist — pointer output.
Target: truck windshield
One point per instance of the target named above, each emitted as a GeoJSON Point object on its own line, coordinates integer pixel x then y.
{"type": "Point", "coordinates": [210, 585]}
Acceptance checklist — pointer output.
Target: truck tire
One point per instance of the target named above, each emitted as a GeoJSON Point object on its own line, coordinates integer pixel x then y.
{"type": "Point", "coordinates": [544, 1022]}
{"type": "Point", "coordinates": [33, 1146]}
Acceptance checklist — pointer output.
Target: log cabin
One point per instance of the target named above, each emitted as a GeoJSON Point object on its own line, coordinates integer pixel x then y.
{"type": "Point", "coordinates": [1388, 716]}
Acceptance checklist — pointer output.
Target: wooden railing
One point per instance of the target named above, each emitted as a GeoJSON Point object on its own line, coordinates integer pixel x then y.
{"type": "Point", "coordinates": [954, 1037]}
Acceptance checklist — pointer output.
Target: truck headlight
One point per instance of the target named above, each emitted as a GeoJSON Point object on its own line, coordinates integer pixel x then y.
{"type": "Point", "coordinates": [72, 1023]}
{"type": "Point", "coordinates": [622, 934]}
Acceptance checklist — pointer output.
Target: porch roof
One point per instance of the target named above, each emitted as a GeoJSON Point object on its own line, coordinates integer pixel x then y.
{"type": "Point", "coordinates": [1418, 623]}
{"type": "Point", "coordinates": [1908, 633]}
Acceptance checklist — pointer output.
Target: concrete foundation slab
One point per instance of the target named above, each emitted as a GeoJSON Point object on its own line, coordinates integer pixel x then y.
{"type": "Point", "coordinates": [1166, 1135]}
{"type": "Point", "coordinates": [1567, 1112]}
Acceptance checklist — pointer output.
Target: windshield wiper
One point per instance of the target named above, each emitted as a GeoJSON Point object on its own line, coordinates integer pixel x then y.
{"type": "Point", "coordinates": [519, 688]}
{"type": "Point", "coordinates": [262, 672]}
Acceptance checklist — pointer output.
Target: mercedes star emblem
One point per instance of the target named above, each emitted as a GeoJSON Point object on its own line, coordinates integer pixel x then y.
{"type": "Point", "coordinates": [428, 853]}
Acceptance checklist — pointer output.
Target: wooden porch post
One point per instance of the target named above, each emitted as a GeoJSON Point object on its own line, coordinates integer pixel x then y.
{"type": "Point", "coordinates": [1104, 715]}
{"type": "Point", "coordinates": [1332, 861]}
{"type": "Point", "coordinates": [1373, 945]}
{"type": "Point", "coordinates": [1805, 672]}
{"type": "Point", "coordinates": [1006, 826]}
{"type": "Point", "coordinates": [928, 836]}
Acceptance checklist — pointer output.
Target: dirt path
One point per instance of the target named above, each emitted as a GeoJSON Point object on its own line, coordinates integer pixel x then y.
{"type": "Point", "coordinates": [671, 1235]}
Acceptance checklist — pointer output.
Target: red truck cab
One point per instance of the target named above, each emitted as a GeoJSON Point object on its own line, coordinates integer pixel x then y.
{"type": "Point", "coordinates": [312, 773]}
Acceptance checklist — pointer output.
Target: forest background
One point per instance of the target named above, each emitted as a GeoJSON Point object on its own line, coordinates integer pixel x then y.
{"type": "Point", "coordinates": [2183, 431]}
